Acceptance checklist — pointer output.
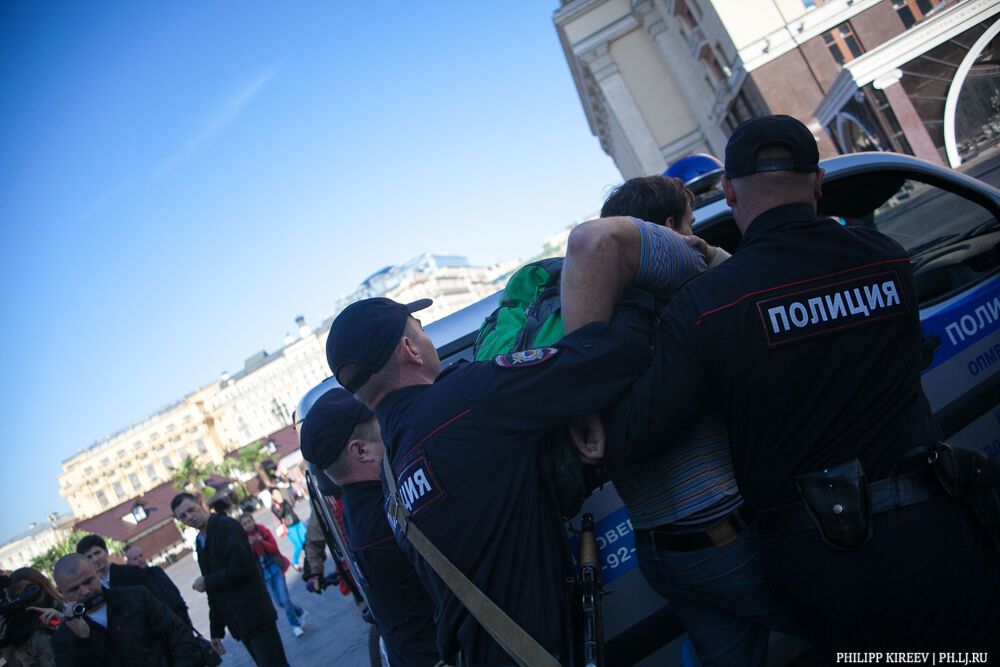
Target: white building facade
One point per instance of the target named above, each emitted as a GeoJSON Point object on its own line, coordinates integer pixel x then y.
{"type": "Point", "coordinates": [142, 455]}
{"type": "Point", "coordinates": [38, 539]}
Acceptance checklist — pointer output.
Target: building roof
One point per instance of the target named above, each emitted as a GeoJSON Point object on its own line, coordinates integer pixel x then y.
{"type": "Point", "coordinates": [118, 523]}
{"type": "Point", "coordinates": [37, 529]}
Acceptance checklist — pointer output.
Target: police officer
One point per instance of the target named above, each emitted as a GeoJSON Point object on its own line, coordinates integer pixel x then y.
{"type": "Point", "coordinates": [341, 436]}
{"type": "Point", "coordinates": [809, 338]}
{"type": "Point", "coordinates": [465, 445]}
{"type": "Point", "coordinates": [694, 539]}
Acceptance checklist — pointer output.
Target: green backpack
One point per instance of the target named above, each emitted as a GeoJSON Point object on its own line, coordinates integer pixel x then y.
{"type": "Point", "coordinates": [530, 316]}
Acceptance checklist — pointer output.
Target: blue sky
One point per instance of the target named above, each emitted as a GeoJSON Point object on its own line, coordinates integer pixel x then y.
{"type": "Point", "coordinates": [180, 180]}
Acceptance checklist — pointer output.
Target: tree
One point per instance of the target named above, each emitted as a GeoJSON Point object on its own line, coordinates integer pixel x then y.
{"type": "Point", "coordinates": [191, 474]}
{"type": "Point", "coordinates": [249, 458]}
{"type": "Point", "coordinates": [47, 560]}
{"type": "Point", "coordinates": [247, 461]}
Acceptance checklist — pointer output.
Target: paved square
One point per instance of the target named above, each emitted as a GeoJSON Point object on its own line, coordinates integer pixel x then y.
{"type": "Point", "coordinates": [335, 633]}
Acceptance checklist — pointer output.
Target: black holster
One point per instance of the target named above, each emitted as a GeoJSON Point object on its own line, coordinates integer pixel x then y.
{"type": "Point", "coordinates": [975, 478]}
{"type": "Point", "coordinates": [838, 502]}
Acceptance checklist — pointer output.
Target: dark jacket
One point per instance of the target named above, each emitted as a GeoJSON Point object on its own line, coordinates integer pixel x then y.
{"type": "Point", "coordinates": [141, 631]}
{"type": "Point", "coordinates": [126, 575]}
{"type": "Point", "coordinates": [237, 598]}
{"type": "Point", "coordinates": [153, 578]}
{"type": "Point", "coordinates": [165, 589]}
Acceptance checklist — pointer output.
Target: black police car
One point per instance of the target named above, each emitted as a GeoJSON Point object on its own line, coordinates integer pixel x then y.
{"type": "Point", "coordinates": [948, 222]}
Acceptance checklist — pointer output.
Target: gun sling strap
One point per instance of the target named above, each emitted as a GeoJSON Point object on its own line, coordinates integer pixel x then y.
{"type": "Point", "coordinates": [512, 638]}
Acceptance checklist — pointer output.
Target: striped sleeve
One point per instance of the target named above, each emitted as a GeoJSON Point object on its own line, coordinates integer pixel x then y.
{"type": "Point", "coordinates": [666, 261]}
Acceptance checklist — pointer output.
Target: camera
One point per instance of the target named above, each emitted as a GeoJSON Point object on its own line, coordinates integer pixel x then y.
{"type": "Point", "coordinates": [81, 608]}
{"type": "Point", "coordinates": [28, 597]}
{"type": "Point", "coordinates": [21, 623]}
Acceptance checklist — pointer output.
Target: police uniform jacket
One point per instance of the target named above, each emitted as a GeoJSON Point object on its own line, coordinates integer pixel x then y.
{"type": "Point", "coordinates": [466, 455]}
{"type": "Point", "coordinates": [401, 606]}
{"type": "Point", "coordinates": [237, 598]}
{"type": "Point", "coordinates": [809, 339]}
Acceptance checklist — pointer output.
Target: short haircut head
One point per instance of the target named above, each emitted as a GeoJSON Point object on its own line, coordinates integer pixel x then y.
{"type": "Point", "coordinates": [366, 430]}
{"type": "Point", "coordinates": [181, 497]}
{"type": "Point", "coordinates": [69, 565]}
{"type": "Point", "coordinates": [89, 542]}
{"type": "Point", "coordinates": [650, 198]}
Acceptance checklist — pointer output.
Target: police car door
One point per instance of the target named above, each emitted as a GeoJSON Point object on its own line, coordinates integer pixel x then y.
{"type": "Point", "coordinates": [947, 222]}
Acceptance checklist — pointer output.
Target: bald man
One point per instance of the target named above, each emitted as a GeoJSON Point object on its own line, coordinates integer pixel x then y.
{"type": "Point", "coordinates": [125, 626]}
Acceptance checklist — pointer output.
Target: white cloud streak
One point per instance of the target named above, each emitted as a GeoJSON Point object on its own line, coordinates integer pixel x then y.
{"type": "Point", "coordinates": [229, 110]}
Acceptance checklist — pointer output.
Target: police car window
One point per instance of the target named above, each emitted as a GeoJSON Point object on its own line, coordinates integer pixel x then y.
{"type": "Point", "coordinates": [951, 240]}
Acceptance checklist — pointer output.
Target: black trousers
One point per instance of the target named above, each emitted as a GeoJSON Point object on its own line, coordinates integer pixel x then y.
{"type": "Point", "coordinates": [928, 580]}
{"type": "Point", "coordinates": [266, 648]}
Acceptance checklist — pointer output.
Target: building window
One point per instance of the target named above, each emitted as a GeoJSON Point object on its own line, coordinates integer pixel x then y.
{"type": "Point", "coordinates": [151, 473]}
{"type": "Point", "coordinates": [102, 498]}
{"type": "Point", "coordinates": [741, 109]}
{"type": "Point", "coordinates": [88, 471]}
{"type": "Point", "coordinates": [121, 453]}
{"type": "Point", "coordinates": [105, 463]}
{"type": "Point", "coordinates": [681, 9]}
{"type": "Point", "coordinates": [137, 445]}
{"type": "Point", "coordinates": [707, 56]}
{"type": "Point", "coordinates": [843, 45]}
{"type": "Point", "coordinates": [134, 481]}
{"type": "Point", "coordinates": [890, 123]}
{"type": "Point", "coordinates": [911, 12]}
{"type": "Point", "coordinates": [200, 444]}
{"type": "Point", "coordinates": [119, 490]}
{"type": "Point", "coordinates": [167, 463]}
{"type": "Point", "coordinates": [812, 4]}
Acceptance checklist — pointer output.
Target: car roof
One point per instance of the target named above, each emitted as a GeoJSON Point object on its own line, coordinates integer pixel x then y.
{"type": "Point", "coordinates": [843, 166]}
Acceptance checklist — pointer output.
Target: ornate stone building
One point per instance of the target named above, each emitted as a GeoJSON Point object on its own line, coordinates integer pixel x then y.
{"type": "Point", "coordinates": [661, 79]}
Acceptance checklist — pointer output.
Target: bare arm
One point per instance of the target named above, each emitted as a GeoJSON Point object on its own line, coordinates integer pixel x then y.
{"type": "Point", "coordinates": [606, 255]}
{"type": "Point", "coordinates": [602, 257]}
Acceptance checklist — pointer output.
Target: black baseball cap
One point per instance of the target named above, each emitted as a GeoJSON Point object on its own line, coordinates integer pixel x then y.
{"type": "Point", "coordinates": [366, 333]}
{"type": "Point", "coordinates": [327, 428]}
{"type": "Point", "coordinates": [752, 135]}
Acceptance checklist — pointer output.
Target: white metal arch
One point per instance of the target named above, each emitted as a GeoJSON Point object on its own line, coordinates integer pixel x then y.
{"type": "Point", "coordinates": [843, 117]}
{"type": "Point", "coordinates": [951, 103]}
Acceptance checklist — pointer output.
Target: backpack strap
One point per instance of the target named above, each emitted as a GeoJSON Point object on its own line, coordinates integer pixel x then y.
{"type": "Point", "coordinates": [513, 639]}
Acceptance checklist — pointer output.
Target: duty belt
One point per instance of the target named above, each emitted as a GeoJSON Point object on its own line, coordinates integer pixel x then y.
{"type": "Point", "coordinates": [888, 494]}
{"type": "Point", "coordinates": [717, 534]}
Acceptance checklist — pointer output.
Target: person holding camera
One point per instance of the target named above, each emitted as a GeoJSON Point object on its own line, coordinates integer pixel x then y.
{"type": "Point", "coordinates": [273, 565]}
{"type": "Point", "coordinates": [25, 637]}
{"type": "Point", "coordinates": [121, 626]}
